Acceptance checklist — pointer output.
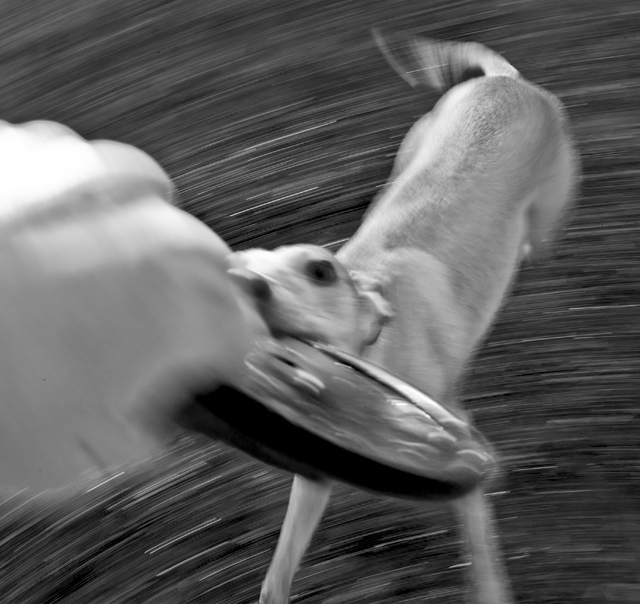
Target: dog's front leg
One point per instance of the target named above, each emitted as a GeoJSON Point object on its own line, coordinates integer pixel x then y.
{"type": "Point", "coordinates": [307, 503]}
{"type": "Point", "coordinates": [488, 582]}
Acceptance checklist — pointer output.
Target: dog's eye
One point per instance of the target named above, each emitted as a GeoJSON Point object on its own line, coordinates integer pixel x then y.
{"type": "Point", "coordinates": [321, 271]}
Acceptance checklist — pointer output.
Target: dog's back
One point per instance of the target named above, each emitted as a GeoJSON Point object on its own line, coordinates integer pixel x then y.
{"type": "Point", "coordinates": [482, 179]}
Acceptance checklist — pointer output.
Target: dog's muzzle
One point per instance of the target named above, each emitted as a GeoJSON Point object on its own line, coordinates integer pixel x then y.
{"type": "Point", "coordinates": [252, 283]}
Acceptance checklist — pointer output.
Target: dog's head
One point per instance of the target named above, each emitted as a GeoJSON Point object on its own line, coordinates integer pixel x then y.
{"type": "Point", "coordinates": [303, 291]}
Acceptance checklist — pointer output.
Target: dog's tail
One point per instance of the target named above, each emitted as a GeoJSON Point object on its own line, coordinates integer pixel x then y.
{"type": "Point", "coordinates": [439, 65]}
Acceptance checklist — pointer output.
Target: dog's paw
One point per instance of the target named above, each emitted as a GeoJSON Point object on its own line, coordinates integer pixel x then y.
{"type": "Point", "coordinates": [269, 595]}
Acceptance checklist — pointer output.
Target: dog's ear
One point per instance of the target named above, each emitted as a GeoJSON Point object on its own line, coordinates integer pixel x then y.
{"type": "Point", "coordinates": [375, 310]}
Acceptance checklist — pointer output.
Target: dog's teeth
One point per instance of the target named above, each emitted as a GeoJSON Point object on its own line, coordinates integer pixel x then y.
{"type": "Point", "coordinates": [311, 382]}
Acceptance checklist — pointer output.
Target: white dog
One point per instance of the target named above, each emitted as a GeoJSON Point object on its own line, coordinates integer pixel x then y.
{"type": "Point", "coordinates": [479, 182]}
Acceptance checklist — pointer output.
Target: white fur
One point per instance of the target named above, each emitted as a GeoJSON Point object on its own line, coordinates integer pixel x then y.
{"type": "Point", "coordinates": [480, 181]}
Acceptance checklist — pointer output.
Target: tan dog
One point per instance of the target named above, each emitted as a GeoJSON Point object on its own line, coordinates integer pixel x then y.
{"type": "Point", "coordinates": [479, 182]}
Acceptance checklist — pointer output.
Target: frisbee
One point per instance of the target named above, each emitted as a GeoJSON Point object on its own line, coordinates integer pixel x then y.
{"type": "Point", "coordinates": [314, 410]}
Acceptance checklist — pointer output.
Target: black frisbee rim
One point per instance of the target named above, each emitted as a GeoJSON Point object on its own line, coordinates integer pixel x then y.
{"type": "Point", "coordinates": [251, 423]}
{"type": "Point", "coordinates": [241, 421]}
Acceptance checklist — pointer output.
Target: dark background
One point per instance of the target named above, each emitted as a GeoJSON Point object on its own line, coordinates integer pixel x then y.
{"type": "Point", "coordinates": [278, 122]}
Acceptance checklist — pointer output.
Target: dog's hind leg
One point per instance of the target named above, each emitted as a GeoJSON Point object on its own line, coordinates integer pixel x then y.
{"type": "Point", "coordinates": [307, 503]}
{"type": "Point", "coordinates": [488, 581]}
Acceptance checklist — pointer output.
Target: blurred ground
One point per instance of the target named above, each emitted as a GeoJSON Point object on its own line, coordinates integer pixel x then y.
{"type": "Point", "coordinates": [278, 121]}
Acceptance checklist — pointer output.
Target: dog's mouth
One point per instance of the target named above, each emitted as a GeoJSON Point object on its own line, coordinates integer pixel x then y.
{"type": "Point", "coordinates": [288, 368]}
{"type": "Point", "coordinates": [262, 288]}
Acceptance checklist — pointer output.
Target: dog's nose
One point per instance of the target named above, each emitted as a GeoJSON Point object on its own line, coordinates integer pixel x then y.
{"type": "Point", "coordinates": [252, 283]}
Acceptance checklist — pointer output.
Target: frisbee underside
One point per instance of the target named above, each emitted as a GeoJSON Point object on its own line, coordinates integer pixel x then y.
{"type": "Point", "coordinates": [315, 411]}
